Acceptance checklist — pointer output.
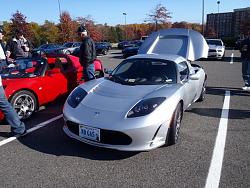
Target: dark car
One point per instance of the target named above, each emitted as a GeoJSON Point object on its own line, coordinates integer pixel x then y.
{"type": "Point", "coordinates": [107, 44]}
{"type": "Point", "coordinates": [132, 50]}
{"type": "Point", "coordinates": [101, 48]}
{"type": "Point", "coordinates": [46, 49]}
{"type": "Point", "coordinates": [124, 44]}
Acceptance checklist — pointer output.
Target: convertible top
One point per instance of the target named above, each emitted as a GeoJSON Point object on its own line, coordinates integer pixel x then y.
{"type": "Point", "coordinates": [183, 42]}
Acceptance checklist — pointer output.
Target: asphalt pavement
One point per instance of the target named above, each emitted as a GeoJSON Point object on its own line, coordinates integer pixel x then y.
{"type": "Point", "coordinates": [46, 157]}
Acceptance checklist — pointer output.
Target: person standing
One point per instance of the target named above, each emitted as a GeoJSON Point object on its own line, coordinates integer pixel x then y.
{"type": "Point", "coordinates": [245, 55]}
{"type": "Point", "coordinates": [87, 54]}
{"type": "Point", "coordinates": [17, 126]}
{"type": "Point", "coordinates": [18, 46]}
{"type": "Point", "coordinates": [3, 62]}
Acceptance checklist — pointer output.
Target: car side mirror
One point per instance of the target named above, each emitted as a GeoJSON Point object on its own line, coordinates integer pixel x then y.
{"type": "Point", "coordinates": [194, 77]}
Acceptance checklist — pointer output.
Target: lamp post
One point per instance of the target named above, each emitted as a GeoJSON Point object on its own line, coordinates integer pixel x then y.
{"type": "Point", "coordinates": [59, 6]}
{"type": "Point", "coordinates": [203, 17]}
{"type": "Point", "coordinates": [218, 25]}
{"type": "Point", "coordinates": [125, 14]}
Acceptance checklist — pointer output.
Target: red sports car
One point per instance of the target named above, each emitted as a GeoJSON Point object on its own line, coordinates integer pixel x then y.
{"type": "Point", "coordinates": [33, 82]}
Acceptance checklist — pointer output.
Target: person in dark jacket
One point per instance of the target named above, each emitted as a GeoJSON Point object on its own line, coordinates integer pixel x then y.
{"type": "Point", "coordinates": [87, 54]}
{"type": "Point", "coordinates": [245, 55]}
{"type": "Point", "coordinates": [18, 46]}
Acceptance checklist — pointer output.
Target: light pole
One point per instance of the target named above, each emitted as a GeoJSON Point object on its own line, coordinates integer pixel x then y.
{"type": "Point", "coordinates": [125, 14]}
{"type": "Point", "coordinates": [203, 17]}
{"type": "Point", "coordinates": [59, 6]}
{"type": "Point", "coordinates": [218, 25]}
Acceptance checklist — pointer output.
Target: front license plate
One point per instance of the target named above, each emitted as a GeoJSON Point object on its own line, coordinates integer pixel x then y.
{"type": "Point", "coordinates": [89, 133]}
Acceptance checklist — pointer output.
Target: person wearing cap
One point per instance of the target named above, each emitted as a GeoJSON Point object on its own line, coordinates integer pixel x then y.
{"type": "Point", "coordinates": [87, 54]}
{"type": "Point", "coordinates": [18, 47]}
{"type": "Point", "coordinates": [3, 61]}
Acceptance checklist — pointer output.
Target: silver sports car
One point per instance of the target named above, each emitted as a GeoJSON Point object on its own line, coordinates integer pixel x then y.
{"type": "Point", "coordinates": [140, 105]}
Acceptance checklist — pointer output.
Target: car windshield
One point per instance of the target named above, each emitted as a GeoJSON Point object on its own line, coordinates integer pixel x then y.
{"type": "Point", "coordinates": [26, 67]}
{"type": "Point", "coordinates": [214, 42]}
{"type": "Point", "coordinates": [144, 72]}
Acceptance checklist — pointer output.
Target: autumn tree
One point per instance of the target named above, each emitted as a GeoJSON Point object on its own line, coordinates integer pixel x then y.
{"type": "Point", "coordinates": [160, 15]}
{"type": "Point", "coordinates": [89, 23]}
{"type": "Point", "coordinates": [67, 28]}
{"type": "Point", "coordinates": [19, 22]}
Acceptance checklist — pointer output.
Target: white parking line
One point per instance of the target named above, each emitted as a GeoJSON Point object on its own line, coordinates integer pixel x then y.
{"type": "Point", "coordinates": [213, 178]}
{"type": "Point", "coordinates": [40, 125]}
{"type": "Point", "coordinates": [232, 58]}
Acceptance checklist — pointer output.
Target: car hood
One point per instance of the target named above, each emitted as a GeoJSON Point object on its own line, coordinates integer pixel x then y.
{"type": "Point", "coordinates": [183, 42]}
{"type": "Point", "coordinates": [103, 96]}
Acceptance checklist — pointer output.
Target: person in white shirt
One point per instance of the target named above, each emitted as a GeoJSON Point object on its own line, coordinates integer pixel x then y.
{"type": "Point", "coordinates": [17, 126]}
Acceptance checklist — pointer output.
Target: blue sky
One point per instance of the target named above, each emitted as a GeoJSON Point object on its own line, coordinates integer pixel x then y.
{"type": "Point", "coordinates": [110, 11]}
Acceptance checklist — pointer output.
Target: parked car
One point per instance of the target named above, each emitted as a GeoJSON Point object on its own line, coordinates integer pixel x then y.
{"type": "Point", "coordinates": [141, 104]}
{"type": "Point", "coordinates": [101, 48]}
{"type": "Point", "coordinates": [107, 44]}
{"type": "Point", "coordinates": [32, 82]}
{"type": "Point", "coordinates": [133, 50]}
{"type": "Point", "coordinates": [70, 47]}
{"type": "Point", "coordinates": [124, 44]}
{"type": "Point", "coordinates": [45, 48]}
{"type": "Point", "coordinates": [216, 48]}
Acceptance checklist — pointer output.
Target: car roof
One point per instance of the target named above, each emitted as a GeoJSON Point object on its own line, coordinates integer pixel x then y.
{"type": "Point", "coordinates": [170, 57]}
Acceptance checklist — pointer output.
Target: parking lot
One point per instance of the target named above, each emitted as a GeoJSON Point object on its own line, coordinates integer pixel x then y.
{"type": "Point", "coordinates": [46, 157]}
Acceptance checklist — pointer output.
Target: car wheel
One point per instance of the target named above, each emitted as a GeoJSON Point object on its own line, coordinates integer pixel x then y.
{"type": "Point", "coordinates": [99, 74]}
{"type": "Point", "coordinates": [25, 103]}
{"type": "Point", "coordinates": [203, 91]}
{"type": "Point", "coordinates": [174, 130]}
{"type": "Point", "coordinates": [104, 51]}
{"type": "Point", "coordinates": [67, 52]}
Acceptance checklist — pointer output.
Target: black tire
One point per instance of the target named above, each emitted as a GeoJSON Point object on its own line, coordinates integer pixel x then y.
{"type": "Point", "coordinates": [99, 74]}
{"type": "Point", "coordinates": [67, 52]}
{"type": "Point", "coordinates": [25, 103]}
{"type": "Point", "coordinates": [203, 92]}
{"type": "Point", "coordinates": [104, 51]}
{"type": "Point", "coordinates": [174, 130]}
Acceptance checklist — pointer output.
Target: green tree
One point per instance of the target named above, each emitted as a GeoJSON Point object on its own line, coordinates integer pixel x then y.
{"type": "Point", "coordinates": [50, 33]}
{"type": "Point", "coordinates": [36, 30]}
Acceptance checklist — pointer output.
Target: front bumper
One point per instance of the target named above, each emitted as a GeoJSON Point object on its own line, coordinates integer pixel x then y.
{"type": "Point", "coordinates": [138, 139]}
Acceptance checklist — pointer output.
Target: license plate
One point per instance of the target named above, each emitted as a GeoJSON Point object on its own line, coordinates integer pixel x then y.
{"type": "Point", "coordinates": [89, 133]}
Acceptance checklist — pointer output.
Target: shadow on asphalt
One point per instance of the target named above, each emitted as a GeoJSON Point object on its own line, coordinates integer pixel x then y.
{"type": "Point", "coordinates": [225, 59]}
{"type": "Point", "coordinates": [221, 91]}
{"type": "Point", "coordinates": [216, 112]}
{"type": "Point", "coordinates": [52, 140]}
{"type": "Point", "coordinates": [118, 57]}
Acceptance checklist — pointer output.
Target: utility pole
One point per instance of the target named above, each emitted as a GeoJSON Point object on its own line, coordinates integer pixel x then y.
{"type": "Point", "coordinates": [125, 14]}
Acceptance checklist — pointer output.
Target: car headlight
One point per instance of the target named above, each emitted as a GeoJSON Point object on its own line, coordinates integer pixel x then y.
{"type": "Point", "coordinates": [145, 107]}
{"type": "Point", "coordinates": [76, 97]}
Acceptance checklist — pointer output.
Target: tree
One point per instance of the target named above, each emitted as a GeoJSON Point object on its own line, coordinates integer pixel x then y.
{"type": "Point", "coordinates": [19, 22]}
{"type": "Point", "coordinates": [160, 15]}
{"type": "Point", "coordinates": [67, 28]}
{"type": "Point", "coordinates": [36, 30]}
{"type": "Point", "coordinates": [89, 23]}
{"type": "Point", "coordinates": [50, 33]}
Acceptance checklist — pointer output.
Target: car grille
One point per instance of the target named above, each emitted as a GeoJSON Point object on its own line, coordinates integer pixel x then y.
{"type": "Point", "coordinates": [212, 50]}
{"type": "Point", "coordinates": [107, 136]}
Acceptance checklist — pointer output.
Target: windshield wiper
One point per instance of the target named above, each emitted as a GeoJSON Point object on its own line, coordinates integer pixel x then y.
{"type": "Point", "coordinates": [118, 79]}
